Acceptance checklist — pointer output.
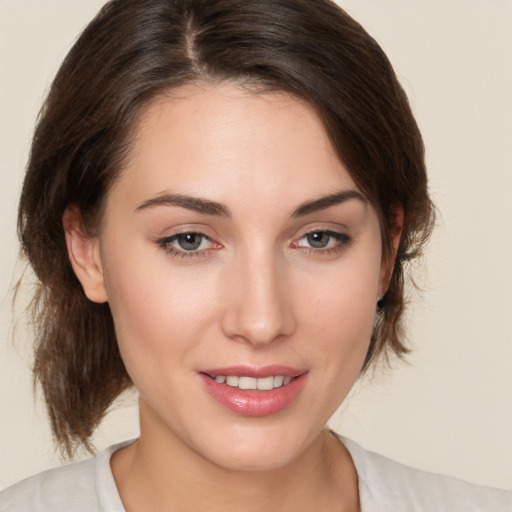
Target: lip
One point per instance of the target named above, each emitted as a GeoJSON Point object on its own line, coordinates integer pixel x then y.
{"type": "Point", "coordinates": [257, 372]}
{"type": "Point", "coordinates": [254, 402]}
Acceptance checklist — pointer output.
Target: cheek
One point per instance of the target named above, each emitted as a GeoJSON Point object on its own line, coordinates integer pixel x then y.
{"type": "Point", "coordinates": [156, 310]}
{"type": "Point", "coordinates": [343, 298]}
{"type": "Point", "coordinates": [344, 327]}
{"type": "Point", "coordinates": [340, 312]}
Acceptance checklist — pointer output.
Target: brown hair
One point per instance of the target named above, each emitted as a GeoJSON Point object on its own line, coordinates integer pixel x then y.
{"type": "Point", "coordinates": [135, 49]}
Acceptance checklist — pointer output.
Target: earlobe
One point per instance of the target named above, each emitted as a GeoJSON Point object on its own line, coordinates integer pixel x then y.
{"type": "Point", "coordinates": [84, 255]}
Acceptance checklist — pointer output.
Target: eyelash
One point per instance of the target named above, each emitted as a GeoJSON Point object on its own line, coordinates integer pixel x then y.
{"type": "Point", "coordinates": [166, 244]}
{"type": "Point", "coordinates": [342, 240]}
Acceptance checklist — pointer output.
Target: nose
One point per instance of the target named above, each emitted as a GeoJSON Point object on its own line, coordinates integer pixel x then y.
{"type": "Point", "coordinates": [259, 309]}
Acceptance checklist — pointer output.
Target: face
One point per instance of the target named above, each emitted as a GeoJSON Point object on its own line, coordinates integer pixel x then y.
{"type": "Point", "coordinates": [236, 252]}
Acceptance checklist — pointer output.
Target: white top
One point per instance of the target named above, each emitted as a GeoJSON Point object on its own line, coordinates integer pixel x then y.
{"type": "Point", "coordinates": [384, 486]}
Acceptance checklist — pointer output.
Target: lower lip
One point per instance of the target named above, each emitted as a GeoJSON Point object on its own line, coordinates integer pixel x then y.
{"type": "Point", "coordinates": [250, 402]}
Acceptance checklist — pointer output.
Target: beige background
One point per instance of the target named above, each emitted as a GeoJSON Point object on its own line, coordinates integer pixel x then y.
{"type": "Point", "coordinates": [450, 409]}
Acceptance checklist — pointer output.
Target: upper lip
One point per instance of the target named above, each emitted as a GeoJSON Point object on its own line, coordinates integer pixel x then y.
{"type": "Point", "coordinates": [256, 372]}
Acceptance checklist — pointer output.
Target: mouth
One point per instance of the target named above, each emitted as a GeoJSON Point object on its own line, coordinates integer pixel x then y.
{"type": "Point", "coordinates": [245, 382]}
{"type": "Point", "coordinates": [255, 391]}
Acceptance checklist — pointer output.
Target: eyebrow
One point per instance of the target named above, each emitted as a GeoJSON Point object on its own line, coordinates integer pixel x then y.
{"type": "Point", "coordinates": [190, 203]}
{"type": "Point", "coordinates": [208, 207]}
{"type": "Point", "coordinates": [327, 201]}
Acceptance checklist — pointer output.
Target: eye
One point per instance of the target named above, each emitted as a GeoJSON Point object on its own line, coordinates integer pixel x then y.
{"type": "Point", "coordinates": [189, 241]}
{"type": "Point", "coordinates": [322, 240]}
{"type": "Point", "coordinates": [318, 239]}
{"type": "Point", "coordinates": [187, 244]}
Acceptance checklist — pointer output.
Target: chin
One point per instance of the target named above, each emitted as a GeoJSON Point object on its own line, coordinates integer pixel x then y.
{"type": "Point", "coordinates": [256, 449]}
{"type": "Point", "coordinates": [252, 460]}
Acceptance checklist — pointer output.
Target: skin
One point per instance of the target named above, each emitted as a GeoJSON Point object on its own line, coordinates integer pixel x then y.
{"type": "Point", "coordinates": [256, 292]}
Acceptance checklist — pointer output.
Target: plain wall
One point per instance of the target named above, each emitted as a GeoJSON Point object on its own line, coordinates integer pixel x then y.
{"type": "Point", "coordinates": [449, 409]}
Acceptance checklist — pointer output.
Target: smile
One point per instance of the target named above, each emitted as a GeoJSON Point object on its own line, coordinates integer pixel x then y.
{"type": "Point", "coordinates": [252, 391]}
{"type": "Point", "coordinates": [261, 384]}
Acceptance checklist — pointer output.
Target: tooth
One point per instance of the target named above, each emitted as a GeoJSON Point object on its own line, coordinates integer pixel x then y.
{"type": "Point", "coordinates": [232, 380]}
{"type": "Point", "coordinates": [278, 381]}
{"type": "Point", "coordinates": [265, 383]}
{"type": "Point", "coordinates": [247, 383]}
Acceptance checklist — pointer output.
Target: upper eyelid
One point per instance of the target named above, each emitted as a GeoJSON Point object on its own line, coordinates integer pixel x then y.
{"type": "Point", "coordinates": [167, 244]}
{"type": "Point", "coordinates": [338, 230]}
{"type": "Point", "coordinates": [171, 238]}
{"type": "Point", "coordinates": [170, 232]}
{"type": "Point", "coordinates": [330, 232]}
{"type": "Point", "coordinates": [187, 232]}
{"type": "Point", "coordinates": [322, 230]}
{"type": "Point", "coordinates": [342, 239]}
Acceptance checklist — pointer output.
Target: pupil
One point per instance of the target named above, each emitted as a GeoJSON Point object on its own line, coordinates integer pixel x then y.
{"type": "Point", "coordinates": [189, 241]}
{"type": "Point", "coordinates": [318, 240]}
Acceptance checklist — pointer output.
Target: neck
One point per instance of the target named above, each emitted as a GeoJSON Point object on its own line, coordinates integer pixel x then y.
{"type": "Point", "coordinates": [161, 469]}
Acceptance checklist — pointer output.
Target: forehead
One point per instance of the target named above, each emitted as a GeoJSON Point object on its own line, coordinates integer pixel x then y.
{"type": "Point", "coordinates": [223, 142]}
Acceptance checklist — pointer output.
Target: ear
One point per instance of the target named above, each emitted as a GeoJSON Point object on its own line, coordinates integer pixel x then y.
{"type": "Point", "coordinates": [388, 259]}
{"type": "Point", "coordinates": [84, 255]}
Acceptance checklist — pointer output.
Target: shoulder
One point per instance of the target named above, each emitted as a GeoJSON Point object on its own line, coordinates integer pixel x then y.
{"type": "Point", "coordinates": [69, 487]}
{"type": "Point", "coordinates": [85, 486]}
{"type": "Point", "coordinates": [388, 485]}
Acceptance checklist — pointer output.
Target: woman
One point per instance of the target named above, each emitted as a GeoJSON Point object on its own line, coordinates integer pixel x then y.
{"type": "Point", "coordinates": [220, 200]}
